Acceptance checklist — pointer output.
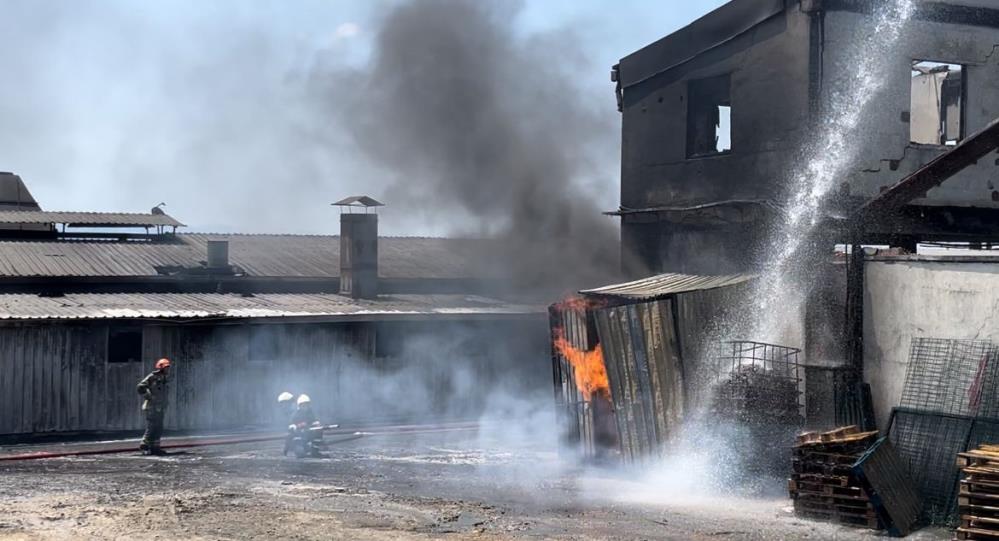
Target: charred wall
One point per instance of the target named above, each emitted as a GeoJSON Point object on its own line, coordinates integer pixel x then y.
{"type": "Point", "coordinates": [768, 74]}
{"type": "Point", "coordinates": [57, 377]}
{"type": "Point", "coordinates": [885, 151]}
{"type": "Point", "coordinates": [783, 73]}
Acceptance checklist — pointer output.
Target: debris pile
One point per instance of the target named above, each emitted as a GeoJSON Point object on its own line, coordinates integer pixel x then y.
{"type": "Point", "coordinates": [978, 497]}
{"type": "Point", "coordinates": [824, 486]}
{"type": "Point", "coordinates": [754, 395]}
{"type": "Point", "coordinates": [758, 390]}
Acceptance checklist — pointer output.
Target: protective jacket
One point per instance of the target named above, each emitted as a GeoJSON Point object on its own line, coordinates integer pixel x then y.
{"type": "Point", "coordinates": [154, 388]}
{"type": "Point", "coordinates": [303, 415]}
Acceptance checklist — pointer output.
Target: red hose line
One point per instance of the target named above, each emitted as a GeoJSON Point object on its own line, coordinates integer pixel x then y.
{"type": "Point", "coordinates": [228, 441]}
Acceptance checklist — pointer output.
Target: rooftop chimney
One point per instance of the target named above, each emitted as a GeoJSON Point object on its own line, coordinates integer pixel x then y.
{"type": "Point", "coordinates": [218, 254]}
{"type": "Point", "coordinates": [358, 247]}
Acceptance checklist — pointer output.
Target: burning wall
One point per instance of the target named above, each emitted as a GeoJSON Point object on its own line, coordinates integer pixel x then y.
{"type": "Point", "coordinates": [618, 374]}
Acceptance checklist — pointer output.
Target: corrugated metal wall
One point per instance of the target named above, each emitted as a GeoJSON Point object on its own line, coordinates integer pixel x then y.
{"type": "Point", "coordinates": [574, 416]}
{"type": "Point", "coordinates": [699, 316]}
{"type": "Point", "coordinates": [51, 378]}
{"type": "Point", "coordinates": [56, 377]}
{"type": "Point", "coordinates": [645, 372]}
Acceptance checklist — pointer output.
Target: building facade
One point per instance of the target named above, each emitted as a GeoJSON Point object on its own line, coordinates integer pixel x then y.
{"type": "Point", "coordinates": [715, 117]}
{"type": "Point", "coordinates": [90, 301]}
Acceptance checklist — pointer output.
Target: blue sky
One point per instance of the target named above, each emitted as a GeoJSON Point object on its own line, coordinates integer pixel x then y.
{"type": "Point", "coordinates": [119, 105]}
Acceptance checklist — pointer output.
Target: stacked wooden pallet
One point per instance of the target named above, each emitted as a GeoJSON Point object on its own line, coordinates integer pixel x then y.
{"type": "Point", "coordinates": [823, 485]}
{"type": "Point", "coordinates": [978, 497]}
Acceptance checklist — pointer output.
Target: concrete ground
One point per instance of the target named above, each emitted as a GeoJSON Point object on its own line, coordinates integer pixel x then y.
{"type": "Point", "coordinates": [457, 484]}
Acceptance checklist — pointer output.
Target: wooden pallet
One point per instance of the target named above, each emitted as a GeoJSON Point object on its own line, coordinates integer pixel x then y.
{"type": "Point", "coordinates": [964, 534]}
{"type": "Point", "coordinates": [854, 492]}
{"type": "Point", "coordinates": [821, 479]}
{"type": "Point", "coordinates": [823, 485]}
{"type": "Point", "coordinates": [813, 437]}
{"type": "Point", "coordinates": [978, 494]}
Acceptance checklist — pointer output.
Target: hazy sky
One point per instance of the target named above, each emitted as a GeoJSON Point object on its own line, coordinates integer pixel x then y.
{"type": "Point", "coordinates": [207, 105]}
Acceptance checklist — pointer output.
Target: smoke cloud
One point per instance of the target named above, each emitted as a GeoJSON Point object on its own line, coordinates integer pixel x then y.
{"type": "Point", "coordinates": [486, 130]}
{"type": "Point", "coordinates": [252, 118]}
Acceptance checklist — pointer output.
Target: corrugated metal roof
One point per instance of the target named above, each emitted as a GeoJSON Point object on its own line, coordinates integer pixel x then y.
{"type": "Point", "coordinates": [92, 219]}
{"type": "Point", "coordinates": [282, 256]}
{"type": "Point", "coordinates": [662, 285]}
{"type": "Point", "coordinates": [271, 305]}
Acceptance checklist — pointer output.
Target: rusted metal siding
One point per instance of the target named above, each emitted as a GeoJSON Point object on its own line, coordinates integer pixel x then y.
{"type": "Point", "coordinates": [645, 372]}
{"type": "Point", "coordinates": [573, 412]}
{"type": "Point", "coordinates": [663, 285]}
{"type": "Point", "coordinates": [699, 316]}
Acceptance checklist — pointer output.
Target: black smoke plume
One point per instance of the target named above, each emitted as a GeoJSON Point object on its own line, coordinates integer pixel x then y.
{"type": "Point", "coordinates": [475, 124]}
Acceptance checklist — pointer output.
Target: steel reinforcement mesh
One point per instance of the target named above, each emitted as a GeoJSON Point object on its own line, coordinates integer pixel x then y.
{"type": "Point", "coordinates": [951, 376]}
{"type": "Point", "coordinates": [950, 403]}
{"type": "Point", "coordinates": [929, 443]}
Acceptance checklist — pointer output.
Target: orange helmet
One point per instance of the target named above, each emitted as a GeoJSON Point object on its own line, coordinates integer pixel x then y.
{"type": "Point", "coordinates": [162, 363]}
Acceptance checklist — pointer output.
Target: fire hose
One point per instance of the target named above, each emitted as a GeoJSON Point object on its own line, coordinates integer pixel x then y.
{"type": "Point", "coordinates": [416, 429]}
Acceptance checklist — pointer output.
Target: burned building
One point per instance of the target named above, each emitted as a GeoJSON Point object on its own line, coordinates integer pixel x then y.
{"type": "Point", "coordinates": [714, 117]}
{"type": "Point", "coordinates": [373, 328]}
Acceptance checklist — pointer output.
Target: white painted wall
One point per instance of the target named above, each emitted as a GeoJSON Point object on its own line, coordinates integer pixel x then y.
{"type": "Point", "coordinates": [929, 298]}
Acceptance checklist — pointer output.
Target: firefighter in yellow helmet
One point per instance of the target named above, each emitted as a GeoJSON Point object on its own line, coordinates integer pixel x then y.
{"type": "Point", "coordinates": [154, 389]}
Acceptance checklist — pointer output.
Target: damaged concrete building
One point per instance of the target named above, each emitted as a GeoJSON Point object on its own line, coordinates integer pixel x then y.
{"type": "Point", "coordinates": [373, 328]}
{"type": "Point", "coordinates": [714, 116]}
{"type": "Point", "coordinates": [714, 119]}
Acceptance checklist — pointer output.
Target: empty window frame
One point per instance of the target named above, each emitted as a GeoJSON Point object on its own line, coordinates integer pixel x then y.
{"type": "Point", "coordinates": [937, 103]}
{"type": "Point", "coordinates": [709, 117]}
{"type": "Point", "coordinates": [125, 344]}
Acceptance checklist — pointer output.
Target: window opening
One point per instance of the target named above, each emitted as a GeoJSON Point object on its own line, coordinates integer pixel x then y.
{"type": "Point", "coordinates": [125, 345]}
{"type": "Point", "coordinates": [937, 103]}
{"type": "Point", "coordinates": [709, 117]}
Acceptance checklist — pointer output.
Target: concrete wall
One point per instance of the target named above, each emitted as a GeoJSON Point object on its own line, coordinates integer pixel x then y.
{"type": "Point", "coordinates": [769, 94]}
{"type": "Point", "coordinates": [884, 134]}
{"type": "Point", "coordinates": [904, 299]}
{"type": "Point", "coordinates": [781, 73]}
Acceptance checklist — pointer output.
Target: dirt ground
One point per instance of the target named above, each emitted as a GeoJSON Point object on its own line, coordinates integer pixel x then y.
{"type": "Point", "coordinates": [457, 485]}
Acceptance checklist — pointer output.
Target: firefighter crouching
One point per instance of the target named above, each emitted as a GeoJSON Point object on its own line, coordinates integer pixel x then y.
{"type": "Point", "coordinates": [154, 388]}
{"type": "Point", "coordinates": [305, 433]}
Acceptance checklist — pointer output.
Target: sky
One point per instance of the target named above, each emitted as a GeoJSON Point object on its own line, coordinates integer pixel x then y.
{"type": "Point", "coordinates": [208, 106]}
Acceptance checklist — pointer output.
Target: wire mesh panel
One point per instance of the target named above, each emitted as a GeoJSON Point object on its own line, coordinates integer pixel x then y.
{"type": "Point", "coordinates": [984, 431]}
{"type": "Point", "coordinates": [758, 383]}
{"type": "Point", "coordinates": [951, 376]}
{"type": "Point", "coordinates": [757, 389]}
{"type": "Point", "coordinates": [928, 443]}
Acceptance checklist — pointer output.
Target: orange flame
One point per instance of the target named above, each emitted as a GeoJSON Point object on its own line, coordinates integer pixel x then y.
{"type": "Point", "coordinates": [588, 367]}
{"type": "Point", "coordinates": [580, 304]}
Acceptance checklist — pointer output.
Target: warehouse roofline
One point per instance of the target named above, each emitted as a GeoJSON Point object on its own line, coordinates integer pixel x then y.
{"type": "Point", "coordinates": [180, 307]}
